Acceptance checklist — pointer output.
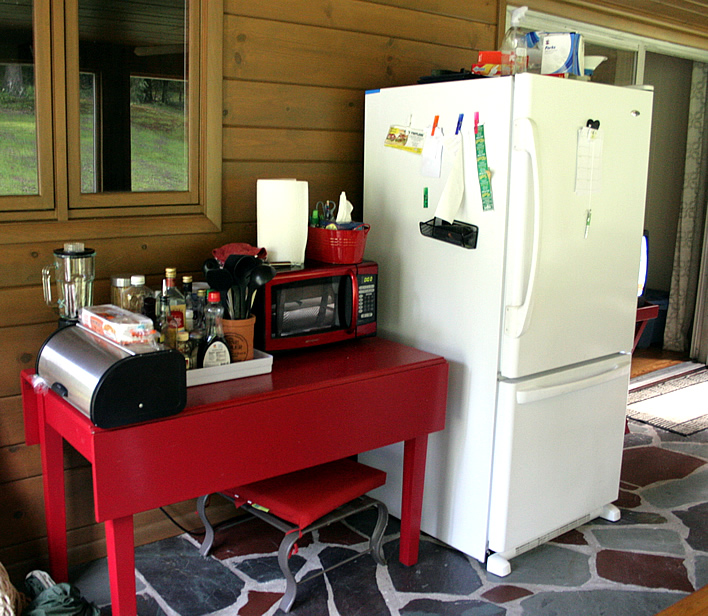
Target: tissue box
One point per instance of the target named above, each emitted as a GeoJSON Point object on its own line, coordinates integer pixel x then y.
{"type": "Point", "coordinates": [562, 54]}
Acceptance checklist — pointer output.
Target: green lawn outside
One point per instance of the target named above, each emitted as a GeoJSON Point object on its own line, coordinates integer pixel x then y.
{"type": "Point", "coordinates": [159, 160]}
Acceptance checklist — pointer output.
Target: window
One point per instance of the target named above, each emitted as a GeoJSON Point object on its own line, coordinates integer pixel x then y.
{"type": "Point", "coordinates": [111, 109]}
{"type": "Point", "coordinates": [625, 52]}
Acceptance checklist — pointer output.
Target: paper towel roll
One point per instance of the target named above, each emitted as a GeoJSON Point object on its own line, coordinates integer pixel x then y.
{"type": "Point", "coordinates": [282, 209]}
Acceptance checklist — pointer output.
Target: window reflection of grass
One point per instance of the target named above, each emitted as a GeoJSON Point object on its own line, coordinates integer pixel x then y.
{"type": "Point", "coordinates": [158, 143]}
{"type": "Point", "coordinates": [159, 159]}
{"type": "Point", "coordinates": [18, 152]}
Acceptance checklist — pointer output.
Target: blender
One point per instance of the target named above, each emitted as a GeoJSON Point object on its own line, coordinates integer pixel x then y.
{"type": "Point", "coordinates": [74, 272]}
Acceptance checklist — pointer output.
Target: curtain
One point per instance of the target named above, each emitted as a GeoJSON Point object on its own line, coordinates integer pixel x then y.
{"type": "Point", "coordinates": [689, 236]}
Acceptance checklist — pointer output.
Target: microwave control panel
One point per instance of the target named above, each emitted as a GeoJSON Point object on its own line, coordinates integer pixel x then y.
{"type": "Point", "coordinates": [367, 298]}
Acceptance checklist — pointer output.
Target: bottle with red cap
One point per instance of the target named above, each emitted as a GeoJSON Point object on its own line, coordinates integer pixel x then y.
{"type": "Point", "coordinates": [213, 350]}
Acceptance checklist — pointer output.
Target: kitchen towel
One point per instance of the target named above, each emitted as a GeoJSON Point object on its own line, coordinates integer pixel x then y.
{"type": "Point", "coordinates": [281, 213]}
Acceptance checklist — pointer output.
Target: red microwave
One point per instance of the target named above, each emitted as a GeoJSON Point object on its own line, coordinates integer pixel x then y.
{"type": "Point", "coordinates": [319, 304]}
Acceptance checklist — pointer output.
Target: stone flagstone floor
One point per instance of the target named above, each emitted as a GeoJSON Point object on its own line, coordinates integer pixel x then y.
{"type": "Point", "coordinates": [653, 557]}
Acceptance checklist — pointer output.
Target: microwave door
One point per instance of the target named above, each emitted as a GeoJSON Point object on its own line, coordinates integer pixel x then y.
{"type": "Point", "coordinates": [307, 308]}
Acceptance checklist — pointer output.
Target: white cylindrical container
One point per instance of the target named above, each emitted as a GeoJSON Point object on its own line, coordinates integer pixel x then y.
{"type": "Point", "coordinates": [282, 208]}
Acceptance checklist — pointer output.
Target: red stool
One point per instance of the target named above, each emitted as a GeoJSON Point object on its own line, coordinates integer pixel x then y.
{"type": "Point", "coordinates": [304, 501]}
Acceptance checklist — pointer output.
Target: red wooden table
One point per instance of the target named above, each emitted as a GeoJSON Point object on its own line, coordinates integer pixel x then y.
{"type": "Point", "coordinates": [315, 406]}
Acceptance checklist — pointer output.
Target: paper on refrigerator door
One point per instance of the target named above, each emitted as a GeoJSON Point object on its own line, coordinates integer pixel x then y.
{"type": "Point", "coordinates": [451, 197]}
{"type": "Point", "coordinates": [588, 173]}
{"type": "Point", "coordinates": [432, 155]}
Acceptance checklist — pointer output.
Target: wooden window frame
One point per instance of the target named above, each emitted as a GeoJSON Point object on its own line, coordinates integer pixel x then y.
{"type": "Point", "coordinates": [60, 210]}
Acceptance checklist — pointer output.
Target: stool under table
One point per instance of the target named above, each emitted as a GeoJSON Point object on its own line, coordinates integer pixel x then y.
{"type": "Point", "coordinates": [304, 501]}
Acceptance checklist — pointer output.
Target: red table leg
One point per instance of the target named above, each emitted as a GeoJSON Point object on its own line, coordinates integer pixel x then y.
{"type": "Point", "coordinates": [120, 547]}
{"type": "Point", "coordinates": [414, 454]}
{"type": "Point", "coordinates": [52, 447]}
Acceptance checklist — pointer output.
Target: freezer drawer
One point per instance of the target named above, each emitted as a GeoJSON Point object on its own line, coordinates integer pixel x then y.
{"type": "Point", "coordinates": [557, 450]}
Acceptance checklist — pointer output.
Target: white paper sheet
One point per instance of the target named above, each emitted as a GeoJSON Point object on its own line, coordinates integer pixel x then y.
{"type": "Point", "coordinates": [451, 197]}
{"type": "Point", "coordinates": [588, 173]}
{"type": "Point", "coordinates": [282, 219]}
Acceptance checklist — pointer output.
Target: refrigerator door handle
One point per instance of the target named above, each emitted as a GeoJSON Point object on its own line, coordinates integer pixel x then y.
{"type": "Point", "coordinates": [516, 319]}
{"type": "Point", "coordinates": [543, 393]}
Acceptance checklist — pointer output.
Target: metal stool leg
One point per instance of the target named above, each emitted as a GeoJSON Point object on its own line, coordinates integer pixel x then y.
{"type": "Point", "coordinates": [209, 529]}
{"type": "Point", "coordinates": [291, 585]}
{"type": "Point", "coordinates": [376, 541]}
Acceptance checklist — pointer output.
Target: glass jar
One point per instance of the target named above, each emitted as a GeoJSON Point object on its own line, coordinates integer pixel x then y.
{"type": "Point", "coordinates": [119, 285]}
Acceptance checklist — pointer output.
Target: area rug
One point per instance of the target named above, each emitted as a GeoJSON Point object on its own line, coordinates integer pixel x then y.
{"type": "Point", "coordinates": [679, 405]}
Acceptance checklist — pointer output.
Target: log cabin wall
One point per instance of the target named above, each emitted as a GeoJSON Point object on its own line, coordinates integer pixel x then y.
{"type": "Point", "coordinates": [294, 75]}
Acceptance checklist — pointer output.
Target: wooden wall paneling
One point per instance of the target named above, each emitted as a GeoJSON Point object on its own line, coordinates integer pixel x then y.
{"type": "Point", "coordinates": [147, 254]}
{"type": "Point", "coordinates": [326, 179]}
{"type": "Point", "coordinates": [292, 144]}
{"type": "Point", "coordinates": [277, 105]}
{"type": "Point", "coordinates": [88, 543]}
{"type": "Point", "coordinates": [21, 462]}
{"type": "Point", "coordinates": [18, 347]}
{"type": "Point", "coordinates": [260, 50]}
{"type": "Point", "coordinates": [22, 513]}
{"type": "Point", "coordinates": [483, 10]}
{"type": "Point", "coordinates": [465, 24]}
{"type": "Point", "coordinates": [12, 428]}
{"type": "Point", "coordinates": [681, 14]}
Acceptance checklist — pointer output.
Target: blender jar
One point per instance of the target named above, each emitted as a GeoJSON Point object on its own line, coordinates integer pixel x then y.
{"type": "Point", "coordinates": [74, 272]}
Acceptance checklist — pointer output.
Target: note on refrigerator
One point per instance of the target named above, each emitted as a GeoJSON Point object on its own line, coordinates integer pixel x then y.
{"type": "Point", "coordinates": [432, 155]}
{"type": "Point", "coordinates": [588, 174]}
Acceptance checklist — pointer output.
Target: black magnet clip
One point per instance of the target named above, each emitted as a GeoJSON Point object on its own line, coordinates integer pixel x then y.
{"type": "Point", "coordinates": [593, 124]}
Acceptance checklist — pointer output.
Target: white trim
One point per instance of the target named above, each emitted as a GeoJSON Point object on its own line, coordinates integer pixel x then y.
{"type": "Point", "coordinates": [608, 37]}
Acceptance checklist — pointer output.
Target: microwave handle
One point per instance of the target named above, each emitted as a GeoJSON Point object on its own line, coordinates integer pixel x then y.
{"type": "Point", "coordinates": [355, 300]}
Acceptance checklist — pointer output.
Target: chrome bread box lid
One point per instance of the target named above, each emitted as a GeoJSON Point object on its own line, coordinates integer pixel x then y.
{"type": "Point", "coordinates": [111, 384]}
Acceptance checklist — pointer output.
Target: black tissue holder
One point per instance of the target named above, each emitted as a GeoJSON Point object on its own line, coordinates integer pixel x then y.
{"type": "Point", "coordinates": [458, 233]}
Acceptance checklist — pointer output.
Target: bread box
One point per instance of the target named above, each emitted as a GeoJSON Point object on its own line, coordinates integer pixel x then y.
{"type": "Point", "coordinates": [112, 384]}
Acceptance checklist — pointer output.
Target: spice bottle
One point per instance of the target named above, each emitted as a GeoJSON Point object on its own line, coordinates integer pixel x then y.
{"type": "Point", "coordinates": [213, 350]}
{"type": "Point", "coordinates": [136, 293]}
{"type": "Point", "coordinates": [119, 285]}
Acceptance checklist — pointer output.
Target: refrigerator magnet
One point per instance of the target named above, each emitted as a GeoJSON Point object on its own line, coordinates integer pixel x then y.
{"type": "Point", "coordinates": [405, 138]}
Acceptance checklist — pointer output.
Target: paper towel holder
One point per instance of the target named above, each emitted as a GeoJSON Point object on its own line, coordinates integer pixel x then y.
{"type": "Point", "coordinates": [458, 233]}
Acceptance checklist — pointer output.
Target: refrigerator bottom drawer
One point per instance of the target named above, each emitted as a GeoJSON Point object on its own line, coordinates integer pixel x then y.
{"type": "Point", "coordinates": [557, 450]}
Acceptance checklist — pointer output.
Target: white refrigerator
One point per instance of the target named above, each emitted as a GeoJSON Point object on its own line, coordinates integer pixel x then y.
{"type": "Point", "coordinates": [534, 307]}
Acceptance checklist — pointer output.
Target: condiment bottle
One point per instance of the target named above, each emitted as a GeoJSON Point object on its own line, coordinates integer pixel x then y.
{"type": "Point", "coordinates": [189, 299]}
{"type": "Point", "coordinates": [149, 310]}
{"type": "Point", "coordinates": [184, 347]}
{"type": "Point", "coordinates": [174, 297]}
{"type": "Point", "coordinates": [119, 285]}
{"type": "Point", "coordinates": [136, 293]}
{"type": "Point", "coordinates": [167, 324]}
{"type": "Point", "coordinates": [213, 350]}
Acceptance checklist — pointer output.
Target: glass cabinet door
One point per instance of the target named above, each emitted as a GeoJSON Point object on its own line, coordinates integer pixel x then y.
{"type": "Point", "coordinates": [25, 151]}
{"type": "Point", "coordinates": [130, 103]}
